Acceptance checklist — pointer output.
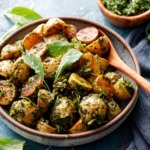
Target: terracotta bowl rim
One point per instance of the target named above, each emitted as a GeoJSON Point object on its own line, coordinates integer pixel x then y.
{"type": "Point", "coordinates": [135, 17]}
{"type": "Point", "coordinates": [129, 106]}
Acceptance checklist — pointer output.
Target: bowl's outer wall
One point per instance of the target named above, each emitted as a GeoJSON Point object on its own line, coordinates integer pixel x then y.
{"type": "Point", "coordinates": [125, 53]}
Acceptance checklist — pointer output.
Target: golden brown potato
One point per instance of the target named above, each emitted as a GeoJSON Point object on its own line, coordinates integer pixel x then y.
{"type": "Point", "coordinates": [113, 109]}
{"type": "Point", "coordinates": [87, 35]}
{"type": "Point", "coordinates": [103, 86]}
{"type": "Point", "coordinates": [12, 51]}
{"type": "Point", "coordinates": [7, 92]}
{"type": "Point", "coordinates": [63, 113]}
{"type": "Point", "coordinates": [54, 37]}
{"type": "Point", "coordinates": [54, 25]}
{"type": "Point", "coordinates": [45, 100]}
{"type": "Point", "coordinates": [77, 83]}
{"type": "Point", "coordinates": [38, 49]}
{"type": "Point", "coordinates": [31, 86]}
{"type": "Point", "coordinates": [92, 110]}
{"type": "Point", "coordinates": [32, 39]}
{"type": "Point", "coordinates": [20, 71]}
{"type": "Point", "coordinates": [123, 89]}
{"type": "Point", "coordinates": [25, 112]}
{"type": "Point", "coordinates": [39, 29]}
{"type": "Point", "coordinates": [50, 65]}
{"type": "Point", "coordinates": [43, 126]}
{"type": "Point", "coordinates": [78, 127]}
{"type": "Point", "coordinates": [112, 76]}
{"type": "Point", "coordinates": [70, 31]}
{"type": "Point", "coordinates": [99, 47]}
{"type": "Point", "coordinates": [6, 68]}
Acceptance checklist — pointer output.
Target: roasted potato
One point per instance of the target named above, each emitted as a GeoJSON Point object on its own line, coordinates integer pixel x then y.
{"type": "Point", "coordinates": [103, 86]}
{"type": "Point", "coordinates": [78, 83]}
{"type": "Point", "coordinates": [45, 100]}
{"type": "Point", "coordinates": [6, 68]}
{"type": "Point", "coordinates": [32, 39]}
{"type": "Point", "coordinates": [31, 86]}
{"type": "Point", "coordinates": [112, 76]}
{"type": "Point", "coordinates": [78, 127]}
{"type": "Point", "coordinates": [99, 47]}
{"type": "Point", "coordinates": [113, 109]}
{"type": "Point", "coordinates": [43, 126]}
{"type": "Point", "coordinates": [92, 110]}
{"type": "Point", "coordinates": [39, 29]}
{"type": "Point", "coordinates": [54, 25]}
{"type": "Point", "coordinates": [25, 112]}
{"type": "Point", "coordinates": [123, 89]}
{"type": "Point", "coordinates": [50, 65]}
{"type": "Point", "coordinates": [11, 51]}
{"type": "Point", "coordinates": [20, 71]}
{"type": "Point", "coordinates": [8, 92]}
{"type": "Point", "coordinates": [62, 114]}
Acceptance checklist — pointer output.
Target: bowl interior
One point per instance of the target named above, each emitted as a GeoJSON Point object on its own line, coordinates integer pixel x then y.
{"type": "Point", "coordinates": [123, 50]}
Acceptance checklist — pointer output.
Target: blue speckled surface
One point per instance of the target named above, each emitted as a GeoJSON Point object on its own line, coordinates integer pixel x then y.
{"type": "Point", "coordinates": [50, 8]}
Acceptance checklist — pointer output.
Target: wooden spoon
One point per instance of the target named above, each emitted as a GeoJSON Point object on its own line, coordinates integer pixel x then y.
{"type": "Point", "coordinates": [115, 61]}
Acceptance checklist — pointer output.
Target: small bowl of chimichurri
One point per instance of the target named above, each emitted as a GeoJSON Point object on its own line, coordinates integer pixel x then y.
{"type": "Point", "coordinates": [125, 14]}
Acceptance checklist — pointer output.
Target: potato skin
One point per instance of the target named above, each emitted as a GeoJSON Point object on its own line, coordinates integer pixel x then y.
{"type": "Point", "coordinates": [25, 112]}
{"type": "Point", "coordinates": [99, 47]}
{"type": "Point", "coordinates": [45, 100]}
{"type": "Point", "coordinates": [121, 92]}
{"type": "Point", "coordinates": [8, 92]}
{"type": "Point", "coordinates": [62, 113]}
{"type": "Point", "coordinates": [112, 76]}
{"type": "Point", "coordinates": [20, 71]}
{"type": "Point", "coordinates": [103, 86]}
{"type": "Point", "coordinates": [43, 126]}
{"type": "Point", "coordinates": [12, 51]}
{"type": "Point", "coordinates": [6, 68]}
{"type": "Point", "coordinates": [76, 83]}
{"type": "Point", "coordinates": [78, 127]}
{"type": "Point", "coordinates": [54, 25]}
{"type": "Point", "coordinates": [113, 110]}
{"type": "Point", "coordinates": [92, 110]}
{"type": "Point", "coordinates": [31, 86]}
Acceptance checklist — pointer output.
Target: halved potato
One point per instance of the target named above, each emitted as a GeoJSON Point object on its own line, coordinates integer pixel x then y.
{"type": "Point", "coordinates": [54, 25]}
{"type": "Point", "coordinates": [99, 47]}
{"type": "Point", "coordinates": [32, 39]}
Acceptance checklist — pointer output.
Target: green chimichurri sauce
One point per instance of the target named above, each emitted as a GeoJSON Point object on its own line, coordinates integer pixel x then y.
{"type": "Point", "coordinates": [127, 7]}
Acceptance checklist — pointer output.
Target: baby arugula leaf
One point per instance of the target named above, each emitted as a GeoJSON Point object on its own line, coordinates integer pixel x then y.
{"type": "Point", "coordinates": [67, 60]}
{"type": "Point", "coordinates": [35, 63]}
{"type": "Point", "coordinates": [11, 144]}
{"type": "Point", "coordinates": [58, 48]}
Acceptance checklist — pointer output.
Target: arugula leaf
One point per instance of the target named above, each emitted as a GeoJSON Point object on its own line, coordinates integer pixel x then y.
{"type": "Point", "coordinates": [67, 60]}
{"type": "Point", "coordinates": [35, 63]}
{"type": "Point", "coordinates": [58, 48]}
{"type": "Point", "coordinates": [11, 144]}
{"type": "Point", "coordinates": [22, 15]}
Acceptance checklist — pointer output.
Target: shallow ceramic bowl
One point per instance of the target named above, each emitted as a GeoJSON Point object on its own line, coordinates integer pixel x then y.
{"type": "Point", "coordinates": [125, 53]}
{"type": "Point", "coordinates": [124, 21]}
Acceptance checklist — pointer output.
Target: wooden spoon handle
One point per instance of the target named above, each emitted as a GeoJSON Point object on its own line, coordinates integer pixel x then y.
{"type": "Point", "coordinates": [121, 66]}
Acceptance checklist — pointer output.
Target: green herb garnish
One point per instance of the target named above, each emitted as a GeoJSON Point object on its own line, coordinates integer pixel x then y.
{"type": "Point", "coordinates": [21, 16]}
{"type": "Point", "coordinates": [148, 37]}
{"type": "Point", "coordinates": [58, 48]}
{"type": "Point", "coordinates": [11, 144]}
{"type": "Point", "coordinates": [36, 64]}
{"type": "Point", "coordinates": [67, 60]}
